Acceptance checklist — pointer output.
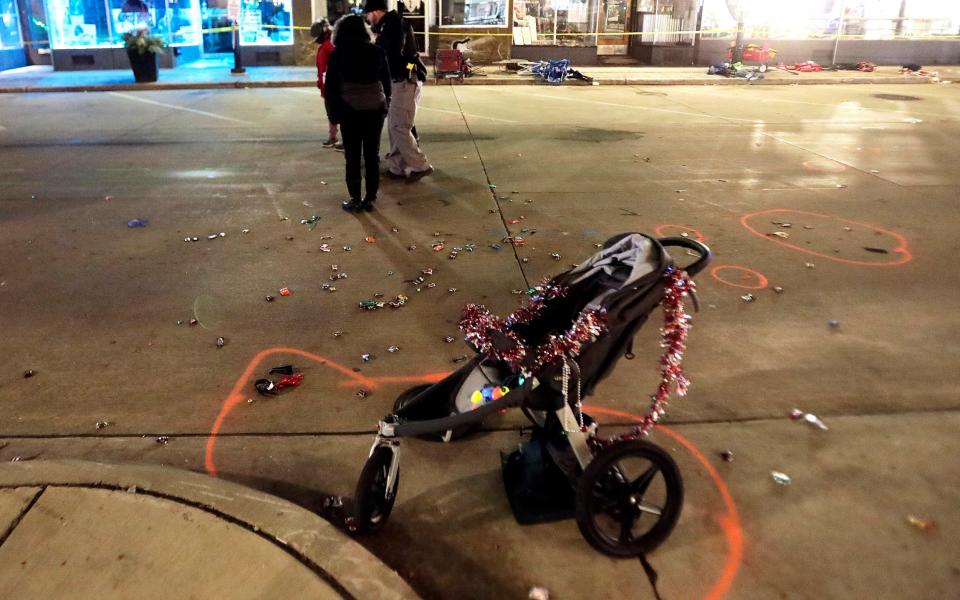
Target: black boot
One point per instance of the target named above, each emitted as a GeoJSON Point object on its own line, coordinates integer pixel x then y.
{"type": "Point", "coordinates": [352, 205]}
{"type": "Point", "coordinates": [368, 203]}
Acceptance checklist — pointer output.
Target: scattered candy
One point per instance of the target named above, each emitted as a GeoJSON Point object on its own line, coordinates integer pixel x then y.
{"type": "Point", "coordinates": [29, 373]}
{"type": "Point", "coordinates": [370, 239]}
{"type": "Point", "coordinates": [284, 291]}
{"type": "Point", "coordinates": [833, 324]}
{"type": "Point", "coordinates": [451, 290]}
{"type": "Point", "coordinates": [244, 231]}
{"type": "Point", "coordinates": [362, 394]}
{"type": "Point", "coordinates": [438, 247]}
{"type": "Point", "coordinates": [365, 357]}
{"type": "Point", "coordinates": [370, 304]}
{"type": "Point", "coordinates": [324, 247]}
{"type": "Point", "coordinates": [221, 342]}
{"type": "Point", "coordinates": [136, 223]}
{"type": "Point", "coordinates": [727, 456]}
{"type": "Point", "coordinates": [777, 289]}
{"type": "Point", "coordinates": [780, 234]}
{"type": "Point", "coordinates": [347, 248]}
{"type": "Point", "coordinates": [748, 297]}
{"type": "Point", "coordinates": [194, 321]}
{"type": "Point", "coordinates": [809, 265]}
{"type": "Point", "coordinates": [337, 333]}
{"type": "Point", "coordinates": [392, 349]}
{"type": "Point", "coordinates": [539, 593]}
{"type": "Point", "coordinates": [292, 380]}
{"type": "Point", "coordinates": [781, 478]}
{"type": "Point", "coordinates": [460, 358]}
{"type": "Point", "coordinates": [921, 523]}
{"type": "Point", "coordinates": [449, 339]}
{"type": "Point", "coordinates": [102, 424]}
{"type": "Point", "coordinates": [162, 440]}
{"type": "Point", "coordinates": [555, 255]}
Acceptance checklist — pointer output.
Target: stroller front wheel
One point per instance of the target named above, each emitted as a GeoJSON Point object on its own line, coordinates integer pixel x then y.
{"type": "Point", "coordinates": [373, 500]}
{"type": "Point", "coordinates": [629, 499]}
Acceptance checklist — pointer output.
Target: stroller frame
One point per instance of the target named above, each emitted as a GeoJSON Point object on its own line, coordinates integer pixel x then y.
{"type": "Point", "coordinates": [377, 487]}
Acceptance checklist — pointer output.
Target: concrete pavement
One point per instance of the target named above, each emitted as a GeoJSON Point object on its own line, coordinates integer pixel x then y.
{"type": "Point", "coordinates": [73, 529]}
{"type": "Point", "coordinates": [864, 175]}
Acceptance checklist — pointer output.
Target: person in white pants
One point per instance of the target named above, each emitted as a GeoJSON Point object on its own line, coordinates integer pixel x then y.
{"type": "Point", "coordinates": [405, 158]}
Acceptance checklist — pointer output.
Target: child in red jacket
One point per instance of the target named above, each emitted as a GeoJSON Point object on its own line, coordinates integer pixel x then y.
{"type": "Point", "coordinates": [323, 34]}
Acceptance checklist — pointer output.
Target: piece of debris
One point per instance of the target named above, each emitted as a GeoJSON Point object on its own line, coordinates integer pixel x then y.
{"type": "Point", "coordinates": [748, 297]}
{"type": "Point", "coordinates": [284, 291]}
{"type": "Point", "coordinates": [370, 239]}
{"type": "Point", "coordinates": [29, 373]}
{"type": "Point", "coordinates": [292, 380]}
{"type": "Point", "coordinates": [727, 456]}
{"type": "Point", "coordinates": [539, 593]}
{"type": "Point", "coordinates": [103, 424]}
{"type": "Point", "coordinates": [221, 342]}
{"type": "Point", "coordinates": [877, 250]}
{"type": "Point", "coordinates": [333, 502]}
{"type": "Point", "coordinates": [833, 324]}
{"type": "Point", "coordinates": [780, 234]}
{"type": "Point", "coordinates": [337, 333]}
{"type": "Point", "coordinates": [449, 339]}
{"type": "Point", "coordinates": [460, 358]}
{"type": "Point", "coordinates": [362, 394]}
{"type": "Point", "coordinates": [781, 478]}
{"type": "Point", "coordinates": [282, 370]}
{"type": "Point", "coordinates": [921, 523]}
{"type": "Point", "coordinates": [269, 298]}
{"type": "Point", "coordinates": [266, 387]}
{"type": "Point", "coordinates": [365, 357]}
{"type": "Point", "coordinates": [777, 289]}
{"type": "Point", "coordinates": [809, 265]}
{"type": "Point", "coordinates": [137, 223]}
{"type": "Point", "coordinates": [393, 349]}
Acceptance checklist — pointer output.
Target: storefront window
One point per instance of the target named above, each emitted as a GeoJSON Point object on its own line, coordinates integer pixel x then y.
{"type": "Point", "coordinates": [9, 25]}
{"type": "Point", "coordinates": [266, 23]}
{"type": "Point", "coordinates": [94, 23]}
{"type": "Point", "coordinates": [555, 22]}
{"type": "Point", "coordinates": [482, 13]}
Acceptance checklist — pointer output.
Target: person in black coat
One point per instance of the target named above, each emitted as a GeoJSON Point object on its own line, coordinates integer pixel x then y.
{"type": "Point", "coordinates": [357, 98]}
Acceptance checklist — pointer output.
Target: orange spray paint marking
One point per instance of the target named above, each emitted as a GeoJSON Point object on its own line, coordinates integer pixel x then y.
{"type": "Point", "coordinates": [899, 253]}
{"type": "Point", "coordinates": [729, 521]}
{"type": "Point", "coordinates": [757, 279]}
{"type": "Point", "coordinates": [666, 230]}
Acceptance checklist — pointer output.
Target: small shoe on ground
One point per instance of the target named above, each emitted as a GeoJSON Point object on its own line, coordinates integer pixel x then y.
{"type": "Point", "coordinates": [338, 146]}
{"type": "Point", "coordinates": [331, 143]}
{"type": "Point", "coordinates": [351, 205]}
{"type": "Point", "coordinates": [367, 204]}
{"type": "Point", "coordinates": [418, 175]}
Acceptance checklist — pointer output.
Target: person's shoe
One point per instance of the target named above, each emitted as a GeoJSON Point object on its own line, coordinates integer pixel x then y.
{"type": "Point", "coordinates": [338, 146]}
{"type": "Point", "coordinates": [418, 175]}
{"type": "Point", "coordinates": [367, 204]}
{"type": "Point", "coordinates": [351, 205]}
{"type": "Point", "coordinates": [330, 143]}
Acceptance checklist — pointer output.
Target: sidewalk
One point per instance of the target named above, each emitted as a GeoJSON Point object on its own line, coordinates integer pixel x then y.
{"type": "Point", "coordinates": [44, 79]}
{"type": "Point", "coordinates": [90, 530]}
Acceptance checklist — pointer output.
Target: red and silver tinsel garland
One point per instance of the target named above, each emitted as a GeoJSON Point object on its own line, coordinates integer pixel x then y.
{"type": "Point", "coordinates": [477, 322]}
{"type": "Point", "coordinates": [673, 336]}
{"type": "Point", "coordinates": [588, 326]}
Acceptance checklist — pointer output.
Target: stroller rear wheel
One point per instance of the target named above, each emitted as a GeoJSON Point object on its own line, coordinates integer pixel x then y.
{"type": "Point", "coordinates": [629, 499]}
{"type": "Point", "coordinates": [373, 501]}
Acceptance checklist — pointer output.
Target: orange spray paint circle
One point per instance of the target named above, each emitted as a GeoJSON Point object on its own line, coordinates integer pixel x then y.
{"type": "Point", "coordinates": [747, 280]}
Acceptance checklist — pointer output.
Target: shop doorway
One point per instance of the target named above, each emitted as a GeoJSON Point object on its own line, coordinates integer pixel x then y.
{"type": "Point", "coordinates": [33, 25]}
{"type": "Point", "coordinates": [614, 19]}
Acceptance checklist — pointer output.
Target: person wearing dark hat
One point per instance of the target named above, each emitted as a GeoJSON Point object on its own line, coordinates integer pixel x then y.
{"type": "Point", "coordinates": [405, 158]}
{"type": "Point", "coordinates": [357, 95]}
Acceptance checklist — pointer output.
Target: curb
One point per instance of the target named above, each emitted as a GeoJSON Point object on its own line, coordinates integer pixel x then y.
{"type": "Point", "coordinates": [230, 85]}
{"type": "Point", "coordinates": [310, 539]}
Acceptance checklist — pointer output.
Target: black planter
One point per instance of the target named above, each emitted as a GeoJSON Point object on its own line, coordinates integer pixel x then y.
{"type": "Point", "coordinates": [144, 66]}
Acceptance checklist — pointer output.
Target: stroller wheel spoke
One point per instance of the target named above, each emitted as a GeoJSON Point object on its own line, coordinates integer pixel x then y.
{"type": "Point", "coordinates": [626, 528]}
{"type": "Point", "coordinates": [650, 509]}
{"type": "Point", "coordinates": [642, 483]}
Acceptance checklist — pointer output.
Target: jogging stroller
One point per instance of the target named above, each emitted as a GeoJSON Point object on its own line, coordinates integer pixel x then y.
{"type": "Point", "coordinates": [544, 358]}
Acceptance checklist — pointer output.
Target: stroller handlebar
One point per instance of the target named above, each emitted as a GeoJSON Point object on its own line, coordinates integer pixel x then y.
{"type": "Point", "coordinates": [699, 247]}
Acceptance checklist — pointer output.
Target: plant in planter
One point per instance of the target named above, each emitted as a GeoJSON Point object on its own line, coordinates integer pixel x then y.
{"type": "Point", "coordinates": [143, 50]}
